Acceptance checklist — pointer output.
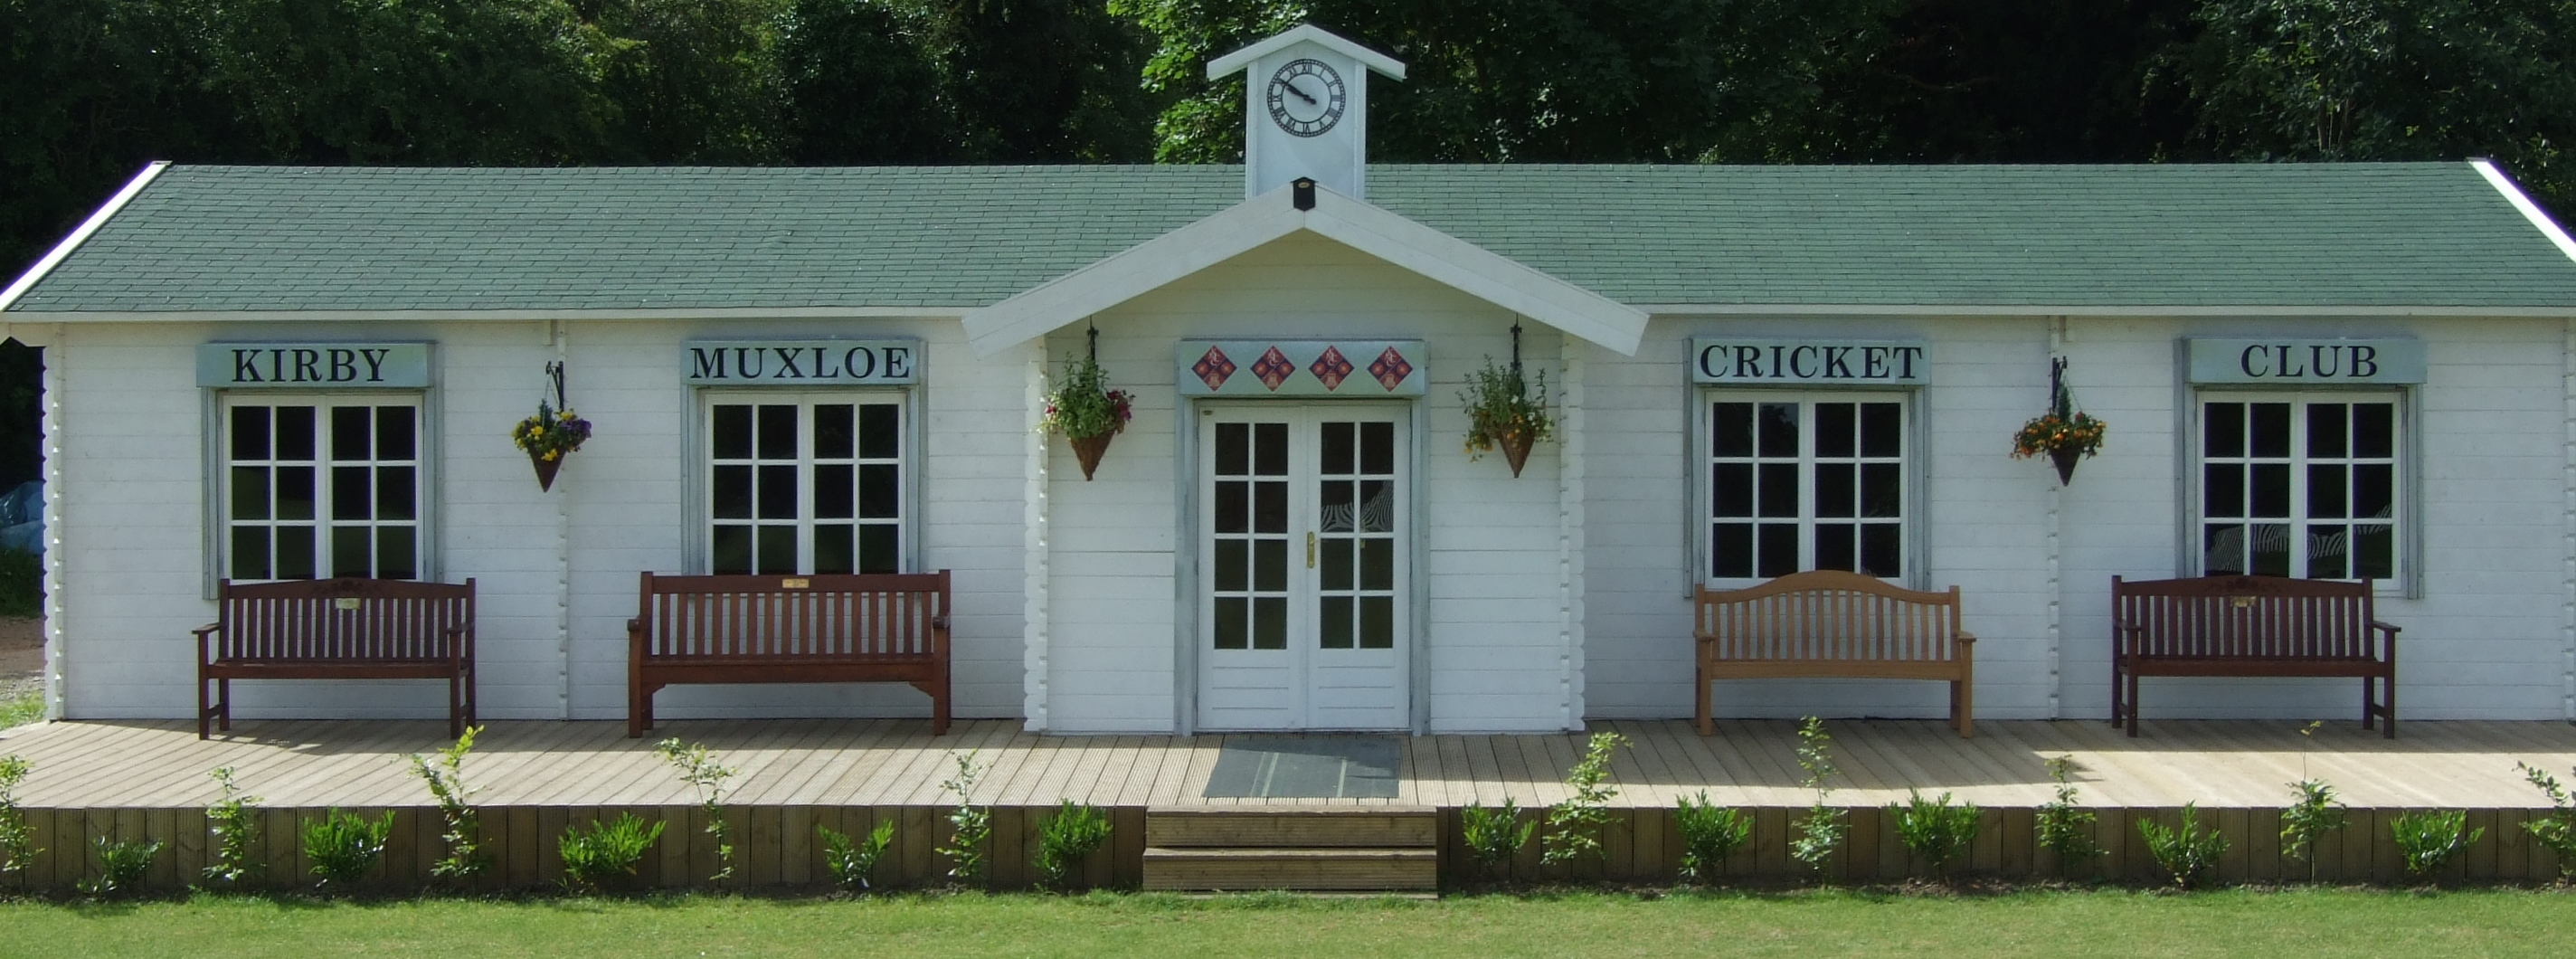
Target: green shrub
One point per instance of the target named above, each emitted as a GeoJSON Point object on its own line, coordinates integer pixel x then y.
{"type": "Point", "coordinates": [1820, 830]}
{"type": "Point", "coordinates": [1934, 831]}
{"type": "Point", "coordinates": [234, 821]}
{"type": "Point", "coordinates": [2558, 831]}
{"type": "Point", "coordinates": [2431, 839]}
{"type": "Point", "coordinates": [970, 825]}
{"type": "Point", "coordinates": [2064, 827]}
{"type": "Point", "coordinates": [463, 835]}
{"type": "Point", "coordinates": [1495, 836]}
{"type": "Point", "coordinates": [121, 866]}
{"type": "Point", "coordinates": [1710, 835]}
{"type": "Point", "coordinates": [698, 768]}
{"type": "Point", "coordinates": [852, 863]}
{"type": "Point", "coordinates": [2314, 814]}
{"type": "Point", "coordinates": [2187, 851]}
{"type": "Point", "coordinates": [17, 842]}
{"type": "Point", "coordinates": [344, 846]}
{"type": "Point", "coordinates": [608, 848]}
{"type": "Point", "coordinates": [1067, 839]}
{"type": "Point", "coordinates": [22, 584]}
{"type": "Point", "coordinates": [1574, 826]}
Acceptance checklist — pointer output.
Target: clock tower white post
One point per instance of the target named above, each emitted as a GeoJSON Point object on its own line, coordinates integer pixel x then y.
{"type": "Point", "coordinates": [1305, 110]}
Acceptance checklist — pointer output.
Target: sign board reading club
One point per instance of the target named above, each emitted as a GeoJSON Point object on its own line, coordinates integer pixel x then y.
{"type": "Point", "coordinates": [329, 366]}
{"type": "Point", "coordinates": [2296, 362]}
{"type": "Point", "coordinates": [1743, 362]}
{"type": "Point", "coordinates": [801, 363]}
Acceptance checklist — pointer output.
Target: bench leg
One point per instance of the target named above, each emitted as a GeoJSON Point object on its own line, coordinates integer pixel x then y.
{"type": "Point", "coordinates": [204, 710]}
{"type": "Point", "coordinates": [2133, 705]}
{"type": "Point", "coordinates": [224, 707]}
{"type": "Point", "coordinates": [1699, 697]}
{"type": "Point", "coordinates": [455, 706]}
{"type": "Point", "coordinates": [2116, 714]}
{"type": "Point", "coordinates": [2388, 700]}
{"type": "Point", "coordinates": [639, 710]}
{"type": "Point", "coordinates": [1963, 708]}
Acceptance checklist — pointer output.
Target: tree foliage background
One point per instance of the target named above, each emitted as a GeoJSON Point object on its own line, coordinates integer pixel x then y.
{"type": "Point", "coordinates": [92, 89]}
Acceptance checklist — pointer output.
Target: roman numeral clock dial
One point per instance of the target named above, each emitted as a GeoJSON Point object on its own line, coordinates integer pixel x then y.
{"type": "Point", "coordinates": [1307, 98]}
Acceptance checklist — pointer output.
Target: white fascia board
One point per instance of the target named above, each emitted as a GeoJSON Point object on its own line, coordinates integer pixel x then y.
{"type": "Point", "coordinates": [2522, 202]}
{"type": "Point", "coordinates": [1237, 61]}
{"type": "Point", "coordinates": [1374, 230]}
{"type": "Point", "coordinates": [2129, 311]}
{"type": "Point", "coordinates": [495, 316]}
{"type": "Point", "coordinates": [1131, 272]}
{"type": "Point", "coordinates": [1478, 272]}
{"type": "Point", "coordinates": [62, 250]}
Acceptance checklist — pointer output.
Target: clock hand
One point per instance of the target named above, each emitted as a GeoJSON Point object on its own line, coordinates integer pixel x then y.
{"type": "Point", "coordinates": [1301, 94]}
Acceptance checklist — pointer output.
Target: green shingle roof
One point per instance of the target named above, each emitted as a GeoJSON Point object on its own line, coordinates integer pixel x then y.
{"type": "Point", "coordinates": [211, 238]}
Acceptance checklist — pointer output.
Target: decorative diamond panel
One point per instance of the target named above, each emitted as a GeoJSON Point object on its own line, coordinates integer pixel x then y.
{"type": "Point", "coordinates": [1213, 368]}
{"type": "Point", "coordinates": [1390, 368]}
{"type": "Point", "coordinates": [1331, 368]}
{"type": "Point", "coordinates": [1273, 368]}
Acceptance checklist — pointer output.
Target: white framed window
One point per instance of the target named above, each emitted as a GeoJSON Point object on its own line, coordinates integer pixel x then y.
{"type": "Point", "coordinates": [806, 483]}
{"type": "Point", "coordinates": [316, 486]}
{"type": "Point", "coordinates": [2308, 485]}
{"type": "Point", "coordinates": [1798, 481]}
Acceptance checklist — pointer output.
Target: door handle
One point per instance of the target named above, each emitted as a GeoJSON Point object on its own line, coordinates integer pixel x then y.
{"type": "Point", "coordinates": [1310, 551]}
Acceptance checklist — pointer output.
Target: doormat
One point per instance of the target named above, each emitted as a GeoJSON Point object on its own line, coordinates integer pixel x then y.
{"type": "Point", "coordinates": [1305, 767]}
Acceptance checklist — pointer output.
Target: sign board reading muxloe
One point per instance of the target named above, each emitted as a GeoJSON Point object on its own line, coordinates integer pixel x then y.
{"type": "Point", "coordinates": [327, 366]}
{"type": "Point", "coordinates": [2297, 362]}
{"type": "Point", "coordinates": [801, 363]}
{"type": "Point", "coordinates": [1734, 362]}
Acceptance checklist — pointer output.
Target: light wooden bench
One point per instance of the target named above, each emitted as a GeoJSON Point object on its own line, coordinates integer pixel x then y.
{"type": "Point", "coordinates": [2250, 626]}
{"type": "Point", "coordinates": [1832, 624]}
{"type": "Point", "coordinates": [337, 629]}
{"type": "Point", "coordinates": [871, 627]}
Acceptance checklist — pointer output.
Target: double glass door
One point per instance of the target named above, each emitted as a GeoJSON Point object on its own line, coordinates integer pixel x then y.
{"type": "Point", "coordinates": [1304, 595]}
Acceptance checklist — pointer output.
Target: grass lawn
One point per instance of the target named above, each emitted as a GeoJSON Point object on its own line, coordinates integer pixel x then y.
{"type": "Point", "coordinates": [2040, 923]}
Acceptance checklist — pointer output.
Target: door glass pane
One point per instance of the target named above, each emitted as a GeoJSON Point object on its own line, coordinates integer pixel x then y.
{"type": "Point", "coordinates": [835, 549]}
{"type": "Point", "coordinates": [250, 493]}
{"type": "Point", "coordinates": [1881, 432]}
{"type": "Point", "coordinates": [835, 492]}
{"type": "Point", "coordinates": [294, 492]}
{"type": "Point", "coordinates": [731, 432]}
{"type": "Point", "coordinates": [1233, 509]}
{"type": "Point", "coordinates": [250, 552]}
{"type": "Point", "coordinates": [2374, 552]}
{"type": "Point", "coordinates": [295, 434]}
{"type": "Point", "coordinates": [2269, 432]}
{"type": "Point", "coordinates": [1837, 492]}
{"type": "Point", "coordinates": [880, 431]}
{"type": "Point", "coordinates": [1333, 567]}
{"type": "Point", "coordinates": [880, 548]}
{"type": "Point", "coordinates": [835, 431]}
{"type": "Point", "coordinates": [294, 552]}
{"type": "Point", "coordinates": [1377, 622]}
{"type": "Point", "coordinates": [1377, 448]}
{"type": "Point", "coordinates": [1777, 552]}
{"type": "Point", "coordinates": [1778, 488]}
{"type": "Point", "coordinates": [777, 545]}
{"type": "Point", "coordinates": [1270, 565]}
{"type": "Point", "coordinates": [1731, 489]}
{"type": "Point", "coordinates": [1341, 448]}
{"type": "Point", "coordinates": [1232, 619]}
{"type": "Point", "coordinates": [1731, 550]}
{"type": "Point", "coordinates": [1335, 628]}
{"type": "Point", "coordinates": [2223, 549]}
{"type": "Point", "coordinates": [1377, 506]}
{"type": "Point", "coordinates": [1882, 490]}
{"type": "Point", "coordinates": [1270, 622]}
{"type": "Point", "coordinates": [2328, 547]}
{"type": "Point", "coordinates": [732, 550]}
{"type": "Point", "coordinates": [350, 551]}
{"type": "Point", "coordinates": [1233, 572]}
{"type": "Point", "coordinates": [350, 492]}
{"type": "Point", "coordinates": [776, 492]}
{"type": "Point", "coordinates": [776, 437]}
{"type": "Point", "coordinates": [250, 433]}
{"type": "Point", "coordinates": [1270, 449]}
{"type": "Point", "coordinates": [2326, 431]}
{"type": "Point", "coordinates": [1882, 549]}
{"type": "Point", "coordinates": [2326, 491]}
{"type": "Point", "coordinates": [1777, 430]}
{"type": "Point", "coordinates": [349, 432]}
{"type": "Point", "coordinates": [1837, 428]}
{"type": "Point", "coordinates": [2224, 494]}
{"type": "Point", "coordinates": [1835, 545]}
{"type": "Point", "coordinates": [397, 552]}
{"type": "Point", "coordinates": [2267, 549]}
{"type": "Point", "coordinates": [2374, 430]}
{"type": "Point", "coordinates": [2271, 490]}
{"type": "Point", "coordinates": [395, 494]}
{"type": "Point", "coordinates": [394, 433]}
{"type": "Point", "coordinates": [1233, 449]}
{"type": "Point", "coordinates": [1731, 429]}
{"type": "Point", "coordinates": [880, 491]}
{"type": "Point", "coordinates": [1270, 507]}
{"type": "Point", "coordinates": [1377, 564]}
{"type": "Point", "coordinates": [732, 494]}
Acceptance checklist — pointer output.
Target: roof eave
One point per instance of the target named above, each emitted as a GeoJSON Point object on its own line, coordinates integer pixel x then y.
{"type": "Point", "coordinates": [63, 250]}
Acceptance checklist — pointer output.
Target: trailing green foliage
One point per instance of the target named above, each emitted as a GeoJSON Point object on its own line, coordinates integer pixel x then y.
{"type": "Point", "coordinates": [1574, 826]}
{"type": "Point", "coordinates": [234, 822]}
{"type": "Point", "coordinates": [445, 777]}
{"type": "Point", "coordinates": [852, 863]}
{"type": "Point", "coordinates": [970, 826]}
{"type": "Point", "coordinates": [1820, 830]}
{"type": "Point", "coordinates": [1935, 831]}
{"type": "Point", "coordinates": [22, 584]}
{"type": "Point", "coordinates": [1710, 834]}
{"type": "Point", "coordinates": [1503, 406]}
{"type": "Point", "coordinates": [343, 847]}
{"type": "Point", "coordinates": [698, 768]}
{"type": "Point", "coordinates": [609, 847]}
{"type": "Point", "coordinates": [2314, 814]}
{"type": "Point", "coordinates": [1082, 405]}
{"type": "Point", "coordinates": [1495, 835]}
{"type": "Point", "coordinates": [17, 842]}
{"type": "Point", "coordinates": [2186, 851]}
{"type": "Point", "coordinates": [1067, 839]}
{"type": "Point", "coordinates": [2063, 826]}
{"type": "Point", "coordinates": [2558, 831]}
{"type": "Point", "coordinates": [121, 865]}
{"type": "Point", "coordinates": [2430, 839]}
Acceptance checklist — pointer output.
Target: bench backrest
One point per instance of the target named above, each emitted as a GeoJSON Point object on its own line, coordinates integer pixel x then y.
{"type": "Point", "coordinates": [1827, 615]}
{"type": "Point", "coordinates": [2248, 617]}
{"type": "Point", "coordinates": [860, 616]}
{"type": "Point", "coordinates": [344, 620]}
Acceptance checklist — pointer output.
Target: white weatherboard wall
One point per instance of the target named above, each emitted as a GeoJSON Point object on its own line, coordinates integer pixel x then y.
{"type": "Point", "coordinates": [132, 498]}
{"type": "Point", "coordinates": [2483, 641]}
{"type": "Point", "coordinates": [1497, 652]}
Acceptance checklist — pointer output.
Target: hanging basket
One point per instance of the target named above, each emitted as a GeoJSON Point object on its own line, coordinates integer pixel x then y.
{"type": "Point", "coordinates": [1516, 448]}
{"type": "Point", "coordinates": [1088, 449]}
{"type": "Point", "coordinates": [545, 469]}
{"type": "Point", "coordinates": [2065, 457]}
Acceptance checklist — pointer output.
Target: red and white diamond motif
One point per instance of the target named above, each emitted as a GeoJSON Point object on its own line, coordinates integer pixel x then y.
{"type": "Point", "coordinates": [1273, 368]}
{"type": "Point", "coordinates": [1213, 368]}
{"type": "Point", "coordinates": [1331, 368]}
{"type": "Point", "coordinates": [1390, 368]}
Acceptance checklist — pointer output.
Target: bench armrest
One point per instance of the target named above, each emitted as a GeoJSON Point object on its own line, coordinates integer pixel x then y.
{"type": "Point", "coordinates": [2385, 628]}
{"type": "Point", "coordinates": [1964, 636]}
{"type": "Point", "coordinates": [201, 631]}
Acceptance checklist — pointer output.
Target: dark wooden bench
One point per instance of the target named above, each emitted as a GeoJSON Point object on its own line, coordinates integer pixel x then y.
{"type": "Point", "coordinates": [337, 629]}
{"type": "Point", "coordinates": [2250, 626]}
{"type": "Point", "coordinates": [876, 627]}
{"type": "Point", "coordinates": [1830, 624]}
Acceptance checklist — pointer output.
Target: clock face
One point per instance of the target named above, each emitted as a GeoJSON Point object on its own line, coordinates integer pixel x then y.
{"type": "Point", "coordinates": [1307, 98]}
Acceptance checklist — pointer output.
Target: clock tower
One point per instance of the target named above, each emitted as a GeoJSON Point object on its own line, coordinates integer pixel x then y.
{"type": "Point", "coordinates": [1305, 109]}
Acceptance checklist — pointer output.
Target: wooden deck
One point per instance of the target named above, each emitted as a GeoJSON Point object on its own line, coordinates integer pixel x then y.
{"type": "Point", "coordinates": [160, 765]}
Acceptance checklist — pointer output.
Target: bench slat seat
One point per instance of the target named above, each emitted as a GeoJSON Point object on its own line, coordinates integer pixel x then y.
{"type": "Point", "coordinates": [346, 628]}
{"type": "Point", "coordinates": [2251, 626]}
{"type": "Point", "coordinates": [821, 628]}
{"type": "Point", "coordinates": [1833, 624]}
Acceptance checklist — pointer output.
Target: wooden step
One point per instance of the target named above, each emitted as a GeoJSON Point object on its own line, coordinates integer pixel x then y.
{"type": "Point", "coordinates": [1340, 868]}
{"type": "Point", "coordinates": [1292, 827]}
